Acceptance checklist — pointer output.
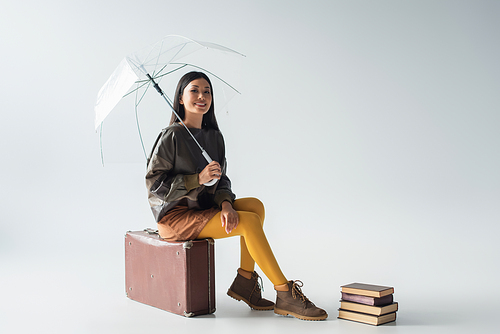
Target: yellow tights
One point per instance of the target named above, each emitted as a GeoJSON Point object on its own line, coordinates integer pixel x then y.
{"type": "Point", "coordinates": [253, 241]}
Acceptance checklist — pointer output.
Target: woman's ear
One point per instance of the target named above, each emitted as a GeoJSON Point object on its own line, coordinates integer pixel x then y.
{"type": "Point", "coordinates": [180, 100]}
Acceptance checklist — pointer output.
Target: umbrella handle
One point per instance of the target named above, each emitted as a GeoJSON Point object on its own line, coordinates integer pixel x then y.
{"type": "Point", "coordinates": [209, 160]}
{"type": "Point", "coordinates": [210, 183]}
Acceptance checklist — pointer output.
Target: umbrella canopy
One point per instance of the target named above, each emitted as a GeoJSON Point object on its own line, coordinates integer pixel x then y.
{"type": "Point", "coordinates": [172, 55]}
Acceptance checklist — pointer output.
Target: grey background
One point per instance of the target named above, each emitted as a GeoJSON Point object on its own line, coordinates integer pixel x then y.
{"type": "Point", "coordinates": [368, 128]}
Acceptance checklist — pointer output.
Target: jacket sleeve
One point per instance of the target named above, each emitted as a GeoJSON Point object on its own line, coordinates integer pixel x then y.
{"type": "Point", "coordinates": [223, 192]}
{"type": "Point", "coordinates": [160, 181]}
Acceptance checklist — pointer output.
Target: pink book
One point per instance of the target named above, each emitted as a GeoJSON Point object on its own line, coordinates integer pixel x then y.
{"type": "Point", "coordinates": [374, 301]}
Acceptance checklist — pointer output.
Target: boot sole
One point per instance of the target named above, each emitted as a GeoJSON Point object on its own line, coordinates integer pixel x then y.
{"type": "Point", "coordinates": [236, 296]}
{"type": "Point", "coordinates": [298, 316]}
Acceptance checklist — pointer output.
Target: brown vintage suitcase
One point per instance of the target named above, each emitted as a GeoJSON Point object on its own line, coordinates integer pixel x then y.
{"type": "Point", "coordinates": [178, 277]}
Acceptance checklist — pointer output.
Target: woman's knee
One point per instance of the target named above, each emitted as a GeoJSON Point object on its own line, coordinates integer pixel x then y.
{"type": "Point", "coordinates": [251, 204]}
{"type": "Point", "coordinates": [249, 222]}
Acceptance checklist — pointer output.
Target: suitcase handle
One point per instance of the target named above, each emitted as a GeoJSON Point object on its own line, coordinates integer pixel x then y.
{"type": "Point", "coordinates": [150, 231]}
{"type": "Point", "coordinates": [188, 244]}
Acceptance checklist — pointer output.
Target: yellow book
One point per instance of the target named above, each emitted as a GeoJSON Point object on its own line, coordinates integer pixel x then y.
{"type": "Point", "coordinates": [368, 309]}
{"type": "Point", "coordinates": [367, 318]}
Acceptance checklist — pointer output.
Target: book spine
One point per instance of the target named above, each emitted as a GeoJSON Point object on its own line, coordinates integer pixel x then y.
{"type": "Point", "coordinates": [373, 301]}
{"type": "Point", "coordinates": [368, 309]}
{"type": "Point", "coordinates": [368, 293]}
{"type": "Point", "coordinates": [366, 318]}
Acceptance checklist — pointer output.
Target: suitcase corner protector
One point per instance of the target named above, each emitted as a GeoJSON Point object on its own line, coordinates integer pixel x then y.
{"type": "Point", "coordinates": [187, 245]}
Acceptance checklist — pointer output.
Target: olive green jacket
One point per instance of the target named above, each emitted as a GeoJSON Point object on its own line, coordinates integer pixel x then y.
{"type": "Point", "coordinates": [174, 166]}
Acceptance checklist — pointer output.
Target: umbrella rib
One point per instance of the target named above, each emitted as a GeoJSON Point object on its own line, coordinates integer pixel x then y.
{"type": "Point", "coordinates": [143, 94]}
{"type": "Point", "coordinates": [137, 120]}
{"type": "Point", "coordinates": [100, 144]}
{"type": "Point", "coordinates": [144, 83]}
{"type": "Point", "coordinates": [201, 68]}
{"type": "Point", "coordinates": [159, 54]}
{"type": "Point", "coordinates": [154, 76]}
{"type": "Point", "coordinates": [148, 82]}
{"type": "Point", "coordinates": [164, 74]}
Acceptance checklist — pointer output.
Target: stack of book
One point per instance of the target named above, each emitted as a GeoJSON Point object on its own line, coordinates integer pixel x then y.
{"type": "Point", "coordinates": [367, 303]}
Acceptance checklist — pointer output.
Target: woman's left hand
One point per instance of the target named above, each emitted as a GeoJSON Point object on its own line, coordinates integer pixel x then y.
{"type": "Point", "coordinates": [229, 217]}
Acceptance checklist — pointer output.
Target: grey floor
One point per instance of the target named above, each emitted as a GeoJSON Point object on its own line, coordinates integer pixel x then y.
{"type": "Point", "coordinates": [68, 294]}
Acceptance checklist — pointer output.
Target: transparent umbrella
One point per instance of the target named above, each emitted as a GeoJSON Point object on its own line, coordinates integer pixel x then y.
{"type": "Point", "coordinates": [164, 63]}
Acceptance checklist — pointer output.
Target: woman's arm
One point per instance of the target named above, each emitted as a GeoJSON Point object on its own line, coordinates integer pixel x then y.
{"type": "Point", "coordinates": [223, 192]}
{"type": "Point", "coordinates": [161, 182]}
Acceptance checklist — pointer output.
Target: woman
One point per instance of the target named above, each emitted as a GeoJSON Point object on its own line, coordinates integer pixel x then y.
{"type": "Point", "coordinates": [186, 209]}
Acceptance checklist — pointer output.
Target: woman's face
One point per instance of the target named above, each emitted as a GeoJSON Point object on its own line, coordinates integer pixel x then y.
{"type": "Point", "coordinates": [196, 97]}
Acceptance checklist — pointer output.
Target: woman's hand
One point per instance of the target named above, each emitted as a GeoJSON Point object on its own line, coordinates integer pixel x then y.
{"type": "Point", "coordinates": [229, 217]}
{"type": "Point", "coordinates": [210, 172]}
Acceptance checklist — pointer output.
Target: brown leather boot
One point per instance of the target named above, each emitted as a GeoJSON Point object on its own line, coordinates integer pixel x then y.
{"type": "Point", "coordinates": [249, 291]}
{"type": "Point", "coordinates": [293, 302]}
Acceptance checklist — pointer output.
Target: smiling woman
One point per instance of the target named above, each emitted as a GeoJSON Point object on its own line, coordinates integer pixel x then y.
{"type": "Point", "coordinates": [186, 207]}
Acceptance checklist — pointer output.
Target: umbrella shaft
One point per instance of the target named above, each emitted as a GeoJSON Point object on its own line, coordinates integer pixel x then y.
{"type": "Point", "coordinates": [160, 91]}
{"type": "Point", "coordinates": [155, 85]}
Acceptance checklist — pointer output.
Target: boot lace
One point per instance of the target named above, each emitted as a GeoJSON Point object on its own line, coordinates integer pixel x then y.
{"type": "Point", "coordinates": [259, 285]}
{"type": "Point", "coordinates": [297, 292]}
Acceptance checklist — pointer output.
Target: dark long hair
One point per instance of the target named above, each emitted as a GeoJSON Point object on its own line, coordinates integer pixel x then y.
{"type": "Point", "coordinates": [209, 120]}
